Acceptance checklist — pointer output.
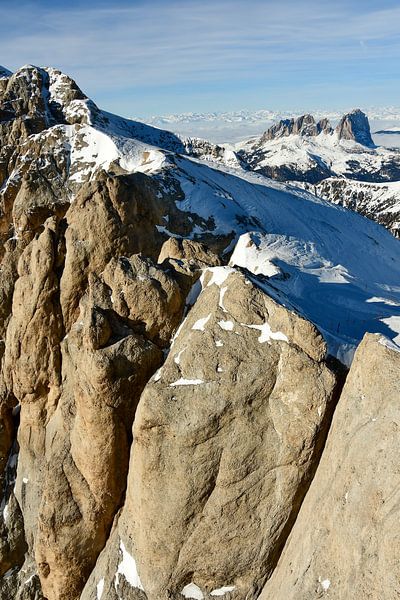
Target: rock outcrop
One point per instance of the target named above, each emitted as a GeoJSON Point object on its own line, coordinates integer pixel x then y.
{"type": "Point", "coordinates": [355, 126]}
{"type": "Point", "coordinates": [304, 126]}
{"type": "Point", "coordinates": [221, 457]}
{"type": "Point", "coordinates": [345, 542]}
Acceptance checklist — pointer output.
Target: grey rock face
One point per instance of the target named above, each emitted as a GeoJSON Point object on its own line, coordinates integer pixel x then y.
{"type": "Point", "coordinates": [345, 543]}
{"type": "Point", "coordinates": [304, 125]}
{"type": "Point", "coordinates": [355, 126]}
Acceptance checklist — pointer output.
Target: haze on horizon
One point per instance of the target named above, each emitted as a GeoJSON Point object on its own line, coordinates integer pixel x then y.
{"type": "Point", "coordinates": [153, 58]}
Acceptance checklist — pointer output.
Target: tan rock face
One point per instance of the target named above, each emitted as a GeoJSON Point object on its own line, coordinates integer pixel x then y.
{"type": "Point", "coordinates": [105, 325]}
{"type": "Point", "coordinates": [111, 217]}
{"type": "Point", "coordinates": [345, 542]}
{"type": "Point", "coordinates": [224, 449]}
{"type": "Point", "coordinates": [188, 250]}
{"type": "Point", "coordinates": [79, 379]}
{"type": "Point", "coordinates": [87, 450]}
{"type": "Point", "coordinates": [147, 297]}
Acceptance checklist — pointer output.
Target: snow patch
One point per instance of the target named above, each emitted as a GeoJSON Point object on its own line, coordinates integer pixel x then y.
{"type": "Point", "coordinates": [177, 357]}
{"type": "Point", "coordinates": [157, 374]}
{"type": "Point", "coordinates": [221, 298]}
{"type": "Point", "coordinates": [251, 255]}
{"type": "Point", "coordinates": [389, 344]}
{"type": "Point", "coordinates": [226, 325]}
{"type": "Point", "coordinates": [266, 333]}
{"type": "Point", "coordinates": [199, 325]}
{"type": "Point", "coordinates": [394, 324]}
{"type": "Point", "coordinates": [128, 569]}
{"type": "Point", "coordinates": [183, 381]}
{"type": "Point", "coordinates": [325, 584]}
{"type": "Point", "coordinates": [223, 590]}
{"type": "Point", "coordinates": [100, 589]}
{"type": "Point", "coordinates": [191, 590]}
{"type": "Point", "coordinates": [218, 275]}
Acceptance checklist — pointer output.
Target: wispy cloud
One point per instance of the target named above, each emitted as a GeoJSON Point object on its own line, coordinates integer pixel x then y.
{"type": "Point", "coordinates": [162, 44]}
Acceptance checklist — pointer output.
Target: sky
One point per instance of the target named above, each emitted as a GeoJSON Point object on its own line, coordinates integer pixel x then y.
{"type": "Point", "coordinates": [143, 58]}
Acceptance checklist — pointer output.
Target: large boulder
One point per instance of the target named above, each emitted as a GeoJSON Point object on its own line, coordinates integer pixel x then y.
{"type": "Point", "coordinates": [346, 540]}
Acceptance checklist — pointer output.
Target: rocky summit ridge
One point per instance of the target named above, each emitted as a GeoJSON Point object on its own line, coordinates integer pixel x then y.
{"type": "Point", "coordinates": [199, 368]}
{"type": "Point", "coordinates": [352, 126]}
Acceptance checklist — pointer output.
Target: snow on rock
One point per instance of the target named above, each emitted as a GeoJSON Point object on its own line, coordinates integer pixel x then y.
{"type": "Point", "coordinates": [183, 381]}
{"type": "Point", "coordinates": [127, 568]}
{"type": "Point", "coordinates": [200, 323]}
{"type": "Point", "coordinates": [226, 325]}
{"type": "Point", "coordinates": [218, 275]}
{"type": "Point", "coordinates": [389, 344]}
{"type": "Point", "coordinates": [100, 589]}
{"type": "Point", "coordinates": [318, 259]}
{"type": "Point", "coordinates": [177, 357]}
{"type": "Point", "coordinates": [191, 590]}
{"type": "Point", "coordinates": [325, 584]}
{"type": "Point", "coordinates": [223, 590]}
{"type": "Point", "coordinates": [4, 73]}
{"type": "Point", "coordinates": [266, 333]}
{"type": "Point", "coordinates": [250, 254]}
{"type": "Point", "coordinates": [394, 325]}
{"type": "Point", "coordinates": [321, 260]}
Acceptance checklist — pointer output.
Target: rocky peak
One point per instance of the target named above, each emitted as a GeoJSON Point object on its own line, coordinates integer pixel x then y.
{"type": "Point", "coordinates": [355, 126]}
{"type": "Point", "coordinates": [305, 125]}
{"type": "Point", "coordinates": [42, 98]}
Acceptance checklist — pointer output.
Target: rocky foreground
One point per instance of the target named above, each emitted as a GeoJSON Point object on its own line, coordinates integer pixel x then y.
{"type": "Point", "coordinates": [181, 412]}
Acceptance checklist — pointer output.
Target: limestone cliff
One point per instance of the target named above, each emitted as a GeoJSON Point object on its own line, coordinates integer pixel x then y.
{"type": "Point", "coordinates": [163, 414]}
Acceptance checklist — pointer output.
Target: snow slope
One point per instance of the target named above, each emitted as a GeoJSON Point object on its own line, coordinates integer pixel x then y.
{"type": "Point", "coordinates": [338, 269]}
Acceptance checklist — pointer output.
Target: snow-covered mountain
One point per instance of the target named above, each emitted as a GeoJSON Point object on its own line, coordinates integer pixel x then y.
{"type": "Point", "coordinates": [312, 254]}
{"type": "Point", "coordinates": [306, 150]}
{"type": "Point", "coordinates": [240, 125]}
{"type": "Point", "coordinates": [175, 332]}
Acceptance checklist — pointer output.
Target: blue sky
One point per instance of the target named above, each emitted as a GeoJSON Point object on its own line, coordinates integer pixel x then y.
{"type": "Point", "coordinates": [157, 57]}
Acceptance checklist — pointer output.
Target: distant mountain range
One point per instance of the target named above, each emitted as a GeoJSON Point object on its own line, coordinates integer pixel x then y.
{"type": "Point", "coordinates": [391, 113]}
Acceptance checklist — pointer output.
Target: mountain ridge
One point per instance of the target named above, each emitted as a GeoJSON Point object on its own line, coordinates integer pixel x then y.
{"type": "Point", "coordinates": [175, 334]}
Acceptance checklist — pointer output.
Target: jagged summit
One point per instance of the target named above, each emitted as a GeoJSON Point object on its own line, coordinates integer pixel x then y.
{"type": "Point", "coordinates": [352, 126]}
{"type": "Point", "coordinates": [36, 98]}
{"type": "Point", "coordinates": [355, 126]}
{"type": "Point", "coordinates": [304, 126]}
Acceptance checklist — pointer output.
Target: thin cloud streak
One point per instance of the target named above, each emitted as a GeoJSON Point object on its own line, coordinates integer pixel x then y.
{"type": "Point", "coordinates": [150, 45]}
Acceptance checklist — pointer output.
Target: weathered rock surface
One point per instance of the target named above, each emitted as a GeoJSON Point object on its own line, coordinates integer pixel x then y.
{"type": "Point", "coordinates": [345, 542]}
{"type": "Point", "coordinates": [355, 126]}
{"type": "Point", "coordinates": [304, 126]}
{"type": "Point", "coordinates": [222, 457]}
